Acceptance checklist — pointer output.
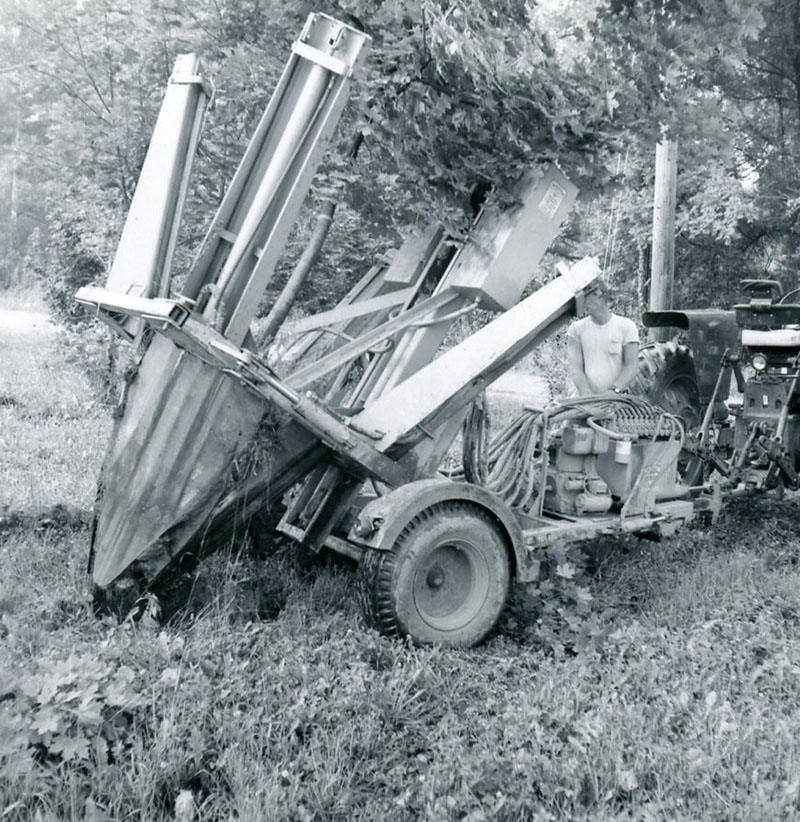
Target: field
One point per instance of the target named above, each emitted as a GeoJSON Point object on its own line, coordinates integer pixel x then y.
{"type": "Point", "coordinates": [266, 699]}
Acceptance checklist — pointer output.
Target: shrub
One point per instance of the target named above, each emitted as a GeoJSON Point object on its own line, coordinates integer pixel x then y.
{"type": "Point", "coordinates": [64, 714]}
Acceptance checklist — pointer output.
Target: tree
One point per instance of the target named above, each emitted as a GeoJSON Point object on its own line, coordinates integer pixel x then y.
{"type": "Point", "coordinates": [453, 94]}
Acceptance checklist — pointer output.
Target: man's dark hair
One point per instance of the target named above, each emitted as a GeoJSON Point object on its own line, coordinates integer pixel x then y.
{"type": "Point", "coordinates": [602, 289]}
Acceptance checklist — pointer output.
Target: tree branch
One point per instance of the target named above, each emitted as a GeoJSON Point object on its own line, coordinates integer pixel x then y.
{"type": "Point", "coordinates": [84, 65]}
{"type": "Point", "coordinates": [70, 90]}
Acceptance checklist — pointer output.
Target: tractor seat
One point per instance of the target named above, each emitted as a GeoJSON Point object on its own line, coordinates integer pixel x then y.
{"type": "Point", "coordinates": [772, 338]}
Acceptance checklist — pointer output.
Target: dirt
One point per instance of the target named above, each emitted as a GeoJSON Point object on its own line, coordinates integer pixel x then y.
{"type": "Point", "coordinates": [22, 322]}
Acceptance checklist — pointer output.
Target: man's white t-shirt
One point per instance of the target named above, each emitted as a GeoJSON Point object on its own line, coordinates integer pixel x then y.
{"type": "Point", "coordinates": [602, 347]}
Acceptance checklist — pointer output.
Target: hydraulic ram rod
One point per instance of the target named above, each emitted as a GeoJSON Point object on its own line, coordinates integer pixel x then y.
{"type": "Point", "coordinates": [251, 228]}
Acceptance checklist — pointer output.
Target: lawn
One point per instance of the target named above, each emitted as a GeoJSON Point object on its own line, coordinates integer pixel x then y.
{"type": "Point", "coordinates": [266, 699]}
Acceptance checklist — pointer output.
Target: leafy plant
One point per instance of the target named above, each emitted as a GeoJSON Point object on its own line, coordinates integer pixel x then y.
{"type": "Point", "coordinates": [558, 611]}
{"type": "Point", "coordinates": [69, 713]}
{"type": "Point", "coordinates": [95, 350]}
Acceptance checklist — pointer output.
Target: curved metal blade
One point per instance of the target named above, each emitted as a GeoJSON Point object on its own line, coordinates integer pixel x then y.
{"type": "Point", "coordinates": [169, 460]}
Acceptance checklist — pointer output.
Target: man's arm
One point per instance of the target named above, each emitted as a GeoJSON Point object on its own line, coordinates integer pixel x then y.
{"type": "Point", "coordinates": [576, 366]}
{"type": "Point", "coordinates": [630, 365]}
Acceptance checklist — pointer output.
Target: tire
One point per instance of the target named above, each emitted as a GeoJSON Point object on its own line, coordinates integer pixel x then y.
{"type": "Point", "coordinates": [444, 581]}
{"type": "Point", "coordinates": [668, 379]}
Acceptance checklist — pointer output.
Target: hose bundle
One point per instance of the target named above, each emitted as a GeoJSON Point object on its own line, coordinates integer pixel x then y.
{"type": "Point", "coordinates": [511, 465]}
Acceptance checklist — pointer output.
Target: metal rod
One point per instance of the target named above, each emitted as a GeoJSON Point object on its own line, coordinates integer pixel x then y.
{"type": "Point", "coordinates": [785, 410]}
{"type": "Point", "coordinates": [712, 402]}
{"type": "Point", "coordinates": [305, 376]}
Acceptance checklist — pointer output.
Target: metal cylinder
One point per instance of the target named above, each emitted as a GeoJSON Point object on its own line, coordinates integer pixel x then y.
{"type": "Point", "coordinates": [592, 503]}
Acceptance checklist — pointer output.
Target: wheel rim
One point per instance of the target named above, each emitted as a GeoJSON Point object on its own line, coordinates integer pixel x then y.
{"type": "Point", "coordinates": [451, 585]}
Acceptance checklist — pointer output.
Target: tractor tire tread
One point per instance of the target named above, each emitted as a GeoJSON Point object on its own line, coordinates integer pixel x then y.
{"type": "Point", "coordinates": [665, 364]}
{"type": "Point", "coordinates": [654, 360]}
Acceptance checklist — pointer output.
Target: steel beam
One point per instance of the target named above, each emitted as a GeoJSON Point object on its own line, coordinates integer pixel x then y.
{"type": "Point", "coordinates": [142, 264]}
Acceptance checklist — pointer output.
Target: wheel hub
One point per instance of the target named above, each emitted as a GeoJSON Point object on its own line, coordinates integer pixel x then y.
{"type": "Point", "coordinates": [451, 585]}
{"type": "Point", "coordinates": [435, 577]}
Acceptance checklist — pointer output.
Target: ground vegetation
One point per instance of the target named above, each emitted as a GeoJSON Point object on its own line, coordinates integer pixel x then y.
{"type": "Point", "coordinates": [633, 682]}
{"type": "Point", "coordinates": [674, 698]}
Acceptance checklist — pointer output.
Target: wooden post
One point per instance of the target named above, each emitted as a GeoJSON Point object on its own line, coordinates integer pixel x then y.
{"type": "Point", "coordinates": [662, 269]}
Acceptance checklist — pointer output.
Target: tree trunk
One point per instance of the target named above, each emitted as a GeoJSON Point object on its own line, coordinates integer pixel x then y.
{"type": "Point", "coordinates": [643, 279]}
{"type": "Point", "coordinates": [299, 275]}
{"type": "Point", "coordinates": [12, 268]}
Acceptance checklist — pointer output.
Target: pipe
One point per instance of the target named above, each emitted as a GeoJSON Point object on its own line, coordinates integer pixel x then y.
{"type": "Point", "coordinates": [299, 275]}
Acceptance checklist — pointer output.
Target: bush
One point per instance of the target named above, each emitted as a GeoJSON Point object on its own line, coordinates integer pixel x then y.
{"type": "Point", "coordinates": [95, 350]}
{"type": "Point", "coordinates": [64, 713]}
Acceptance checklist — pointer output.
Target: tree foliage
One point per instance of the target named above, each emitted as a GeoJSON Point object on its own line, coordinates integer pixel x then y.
{"type": "Point", "coordinates": [453, 94]}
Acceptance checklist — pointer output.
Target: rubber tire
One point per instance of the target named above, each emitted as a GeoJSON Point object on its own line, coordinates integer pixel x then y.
{"type": "Point", "coordinates": [668, 379]}
{"type": "Point", "coordinates": [406, 591]}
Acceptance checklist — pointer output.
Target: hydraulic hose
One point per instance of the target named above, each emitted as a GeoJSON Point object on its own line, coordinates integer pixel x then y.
{"type": "Point", "coordinates": [511, 465]}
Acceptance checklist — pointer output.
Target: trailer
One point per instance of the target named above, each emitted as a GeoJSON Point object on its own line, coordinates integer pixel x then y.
{"type": "Point", "coordinates": [367, 403]}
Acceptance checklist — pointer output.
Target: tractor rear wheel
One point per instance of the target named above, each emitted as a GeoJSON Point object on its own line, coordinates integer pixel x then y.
{"type": "Point", "coordinates": [667, 378]}
{"type": "Point", "coordinates": [445, 580]}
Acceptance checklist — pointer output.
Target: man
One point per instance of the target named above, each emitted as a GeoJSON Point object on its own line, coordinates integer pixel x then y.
{"type": "Point", "coordinates": [602, 347]}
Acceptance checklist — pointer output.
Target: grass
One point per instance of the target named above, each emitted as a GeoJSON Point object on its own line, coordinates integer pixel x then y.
{"type": "Point", "coordinates": [52, 430]}
{"type": "Point", "coordinates": [267, 699]}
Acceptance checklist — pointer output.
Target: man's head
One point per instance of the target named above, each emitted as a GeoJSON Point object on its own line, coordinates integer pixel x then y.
{"type": "Point", "coordinates": [598, 301]}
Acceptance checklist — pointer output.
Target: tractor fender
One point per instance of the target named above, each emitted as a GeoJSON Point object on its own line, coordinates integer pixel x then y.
{"type": "Point", "coordinates": [381, 521]}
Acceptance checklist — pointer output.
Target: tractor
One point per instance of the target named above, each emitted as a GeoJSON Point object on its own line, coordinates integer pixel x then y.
{"type": "Point", "coordinates": [734, 384]}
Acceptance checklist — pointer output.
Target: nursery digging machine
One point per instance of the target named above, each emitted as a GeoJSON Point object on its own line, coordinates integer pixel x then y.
{"type": "Point", "coordinates": [360, 412]}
